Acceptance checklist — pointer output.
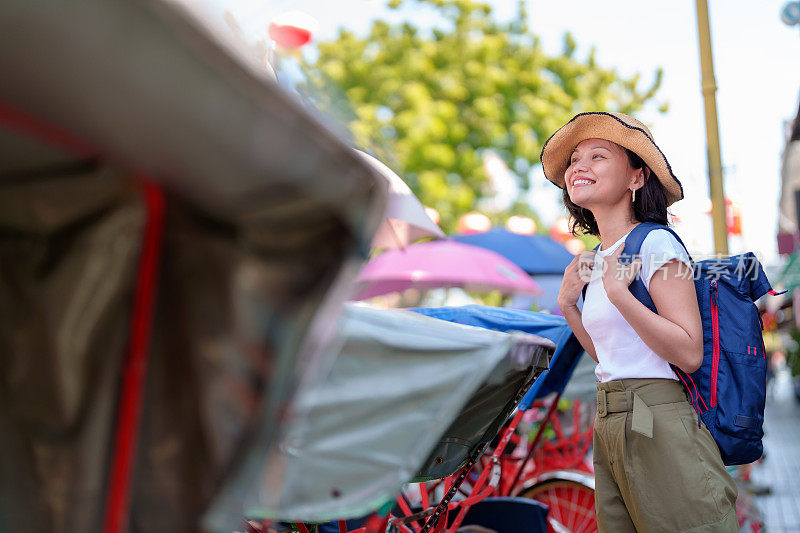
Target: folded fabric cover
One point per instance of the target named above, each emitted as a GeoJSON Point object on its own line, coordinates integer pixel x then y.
{"type": "Point", "coordinates": [365, 425]}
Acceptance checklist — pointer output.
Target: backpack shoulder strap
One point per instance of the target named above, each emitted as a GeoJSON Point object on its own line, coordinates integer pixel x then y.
{"type": "Point", "coordinates": [633, 245]}
{"type": "Point", "coordinates": [634, 240]}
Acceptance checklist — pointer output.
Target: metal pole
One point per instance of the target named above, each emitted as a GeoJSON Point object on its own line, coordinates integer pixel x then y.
{"type": "Point", "coordinates": [534, 444]}
{"type": "Point", "coordinates": [709, 89]}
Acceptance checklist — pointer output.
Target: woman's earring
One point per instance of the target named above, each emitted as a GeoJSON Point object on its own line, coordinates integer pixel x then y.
{"type": "Point", "coordinates": [633, 196]}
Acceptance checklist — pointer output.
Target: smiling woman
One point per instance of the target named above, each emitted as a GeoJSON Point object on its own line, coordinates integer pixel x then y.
{"type": "Point", "coordinates": [656, 465]}
{"type": "Point", "coordinates": [650, 202]}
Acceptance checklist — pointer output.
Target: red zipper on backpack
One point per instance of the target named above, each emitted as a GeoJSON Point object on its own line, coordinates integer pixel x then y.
{"type": "Point", "coordinates": [715, 346]}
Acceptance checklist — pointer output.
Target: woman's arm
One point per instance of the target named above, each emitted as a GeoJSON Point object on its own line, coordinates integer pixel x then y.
{"type": "Point", "coordinates": [575, 320]}
{"type": "Point", "coordinates": [676, 332]}
{"type": "Point", "coordinates": [576, 275]}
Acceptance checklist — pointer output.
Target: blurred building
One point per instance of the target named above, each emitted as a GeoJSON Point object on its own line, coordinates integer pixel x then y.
{"type": "Point", "coordinates": [789, 215]}
{"type": "Point", "coordinates": [783, 309]}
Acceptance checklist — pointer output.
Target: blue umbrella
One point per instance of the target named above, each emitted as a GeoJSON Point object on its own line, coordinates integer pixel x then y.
{"type": "Point", "coordinates": [535, 254]}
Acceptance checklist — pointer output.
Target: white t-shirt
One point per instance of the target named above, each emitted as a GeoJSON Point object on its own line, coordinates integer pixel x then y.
{"type": "Point", "coordinates": [620, 351]}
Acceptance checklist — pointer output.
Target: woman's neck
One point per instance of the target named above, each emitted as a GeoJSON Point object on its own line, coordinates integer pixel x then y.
{"type": "Point", "coordinates": [613, 227]}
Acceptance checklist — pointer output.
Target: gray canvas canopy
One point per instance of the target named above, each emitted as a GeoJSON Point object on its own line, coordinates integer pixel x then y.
{"type": "Point", "coordinates": [267, 215]}
{"type": "Point", "coordinates": [384, 412]}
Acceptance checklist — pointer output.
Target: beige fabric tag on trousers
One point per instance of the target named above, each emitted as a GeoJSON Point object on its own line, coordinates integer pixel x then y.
{"type": "Point", "coordinates": [642, 420]}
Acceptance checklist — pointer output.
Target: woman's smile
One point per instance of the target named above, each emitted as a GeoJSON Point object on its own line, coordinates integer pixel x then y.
{"type": "Point", "coordinates": [582, 182]}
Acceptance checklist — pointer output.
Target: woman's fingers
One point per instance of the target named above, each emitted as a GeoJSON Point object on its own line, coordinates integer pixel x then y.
{"type": "Point", "coordinates": [623, 271]}
{"type": "Point", "coordinates": [585, 265]}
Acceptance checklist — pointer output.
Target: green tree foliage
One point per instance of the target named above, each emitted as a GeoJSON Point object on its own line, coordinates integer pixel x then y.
{"type": "Point", "coordinates": [429, 101]}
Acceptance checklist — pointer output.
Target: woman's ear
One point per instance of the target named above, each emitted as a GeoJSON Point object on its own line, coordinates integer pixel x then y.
{"type": "Point", "coordinates": [642, 175]}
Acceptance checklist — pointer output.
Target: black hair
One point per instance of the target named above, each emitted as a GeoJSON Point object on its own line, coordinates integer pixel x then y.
{"type": "Point", "coordinates": [650, 204]}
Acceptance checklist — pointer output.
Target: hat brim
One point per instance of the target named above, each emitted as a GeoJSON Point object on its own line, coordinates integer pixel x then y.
{"type": "Point", "coordinates": [600, 125]}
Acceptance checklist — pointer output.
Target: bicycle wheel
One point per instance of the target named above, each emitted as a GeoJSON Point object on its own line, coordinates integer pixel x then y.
{"type": "Point", "coordinates": [571, 504]}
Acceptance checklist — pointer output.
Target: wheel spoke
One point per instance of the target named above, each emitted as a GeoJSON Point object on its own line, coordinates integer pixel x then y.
{"type": "Point", "coordinates": [570, 503]}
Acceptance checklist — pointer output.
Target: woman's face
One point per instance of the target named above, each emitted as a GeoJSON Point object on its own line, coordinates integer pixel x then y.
{"type": "Point", "coordinates": [599, 173]}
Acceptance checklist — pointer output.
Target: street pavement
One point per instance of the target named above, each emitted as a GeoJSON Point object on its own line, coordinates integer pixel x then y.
{"type": "Point", "coordinates": [780, 470]}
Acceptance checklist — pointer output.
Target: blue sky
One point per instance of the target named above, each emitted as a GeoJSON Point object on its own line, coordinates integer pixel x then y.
{"type": "Point", "coordinates": [757, 67]}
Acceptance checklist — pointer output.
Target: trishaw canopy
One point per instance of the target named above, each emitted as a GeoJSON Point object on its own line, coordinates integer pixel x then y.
{"type": "Point", "coordinates": [363, 427]}
{"type": "Point", "coordinates": [131, 136]}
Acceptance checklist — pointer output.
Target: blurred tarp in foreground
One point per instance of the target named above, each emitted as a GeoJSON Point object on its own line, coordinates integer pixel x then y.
{"type": "Point", "coordinates": [175, 234]}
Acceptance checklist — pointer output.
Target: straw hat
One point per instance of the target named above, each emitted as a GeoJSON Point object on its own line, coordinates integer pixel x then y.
{"type": "Point", "coordinates": [618, 128]}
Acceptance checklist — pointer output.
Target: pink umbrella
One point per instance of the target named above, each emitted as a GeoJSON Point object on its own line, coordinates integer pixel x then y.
{"type": "Point", "coordinates": [436, 264]}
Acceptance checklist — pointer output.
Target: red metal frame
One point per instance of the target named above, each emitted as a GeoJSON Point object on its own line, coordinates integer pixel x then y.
{"type": "Point", "coordinates": [499, 474]}
{"type": "Point", "coordinates": [55, 136]}
{"type": "Point", "coordinates": [559, 454]}
{"type": "Point", "coordinates": [134, 371]}
{"type": "Point", "coordinates": [508, 487]}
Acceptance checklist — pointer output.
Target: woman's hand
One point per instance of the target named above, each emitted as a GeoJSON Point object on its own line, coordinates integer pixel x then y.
{"type": "Point", "coordinates": [617, 277]}
{"type": "Point", "coordinates": [576, 275]}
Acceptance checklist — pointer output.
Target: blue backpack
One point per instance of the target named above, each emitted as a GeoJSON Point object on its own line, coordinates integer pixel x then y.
{"type": "Point", "coordinates": [728, 391]}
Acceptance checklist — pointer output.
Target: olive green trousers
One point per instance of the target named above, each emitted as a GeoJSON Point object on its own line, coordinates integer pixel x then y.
{"type": "Point", "coordinates": [656, 467]}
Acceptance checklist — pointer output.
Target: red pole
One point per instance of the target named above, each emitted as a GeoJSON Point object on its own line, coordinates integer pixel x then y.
{"type": "Point", "coordinates": [36, 128]}
{"type": "Point", "coordinates": [535, 442]}
{"type": "Point", "coordinates": [134, 369]}
{"type": "Point", "coordinates": [135, 364]}
{"type": "Point", "coordinates": [498, 451]}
